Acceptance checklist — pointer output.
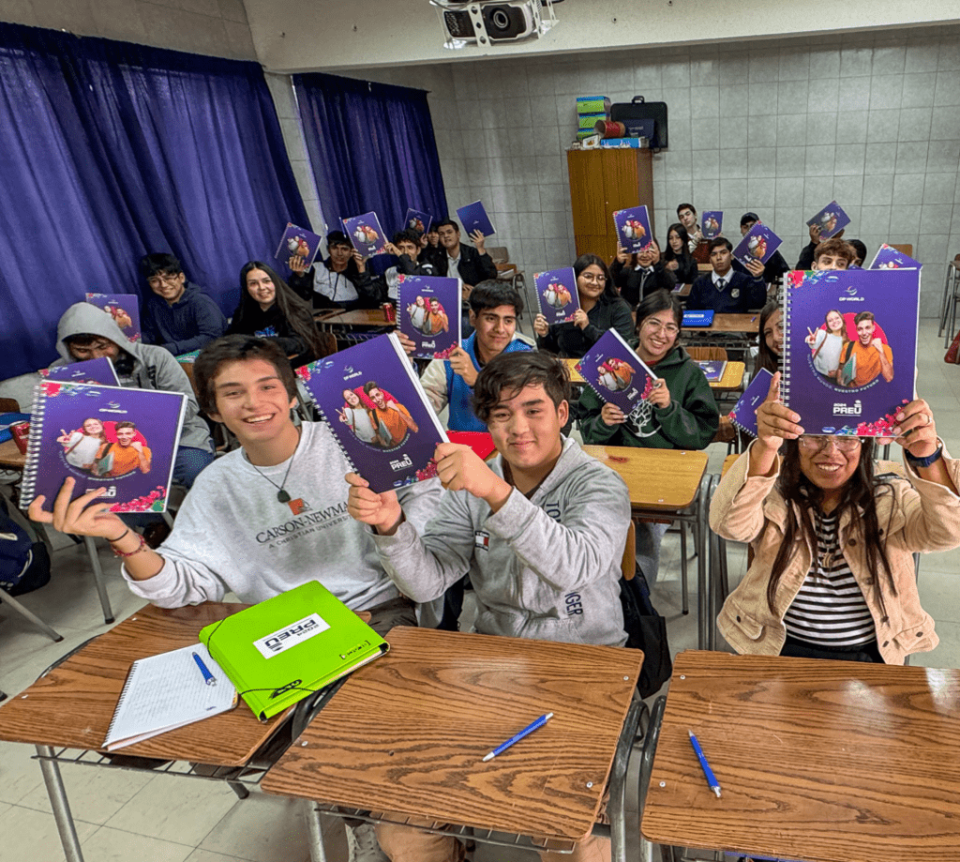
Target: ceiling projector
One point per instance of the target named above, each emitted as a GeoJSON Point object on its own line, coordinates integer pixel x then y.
{"type": "Point", "coordinates": [493, 22]}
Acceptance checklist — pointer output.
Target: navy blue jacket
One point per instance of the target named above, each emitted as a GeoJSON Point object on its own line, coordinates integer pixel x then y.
{"type": "Point", "coordinates": [190, 323]}
{"type": "Point", "coordinates": [740, 294]}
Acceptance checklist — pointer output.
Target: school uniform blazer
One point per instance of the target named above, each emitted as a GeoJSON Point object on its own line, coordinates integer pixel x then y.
{"type": "Point", "coordinates": [752, 293]}
{"type": "Point", "coordinates": [474, 267]}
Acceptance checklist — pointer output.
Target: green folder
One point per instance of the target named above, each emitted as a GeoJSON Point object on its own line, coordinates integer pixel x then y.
{"type": "Point", "coordinates": [284, 649]}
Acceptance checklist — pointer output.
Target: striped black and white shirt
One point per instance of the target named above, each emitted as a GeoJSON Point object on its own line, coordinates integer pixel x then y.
{"type": "Point", "coordinates": [830, 609]}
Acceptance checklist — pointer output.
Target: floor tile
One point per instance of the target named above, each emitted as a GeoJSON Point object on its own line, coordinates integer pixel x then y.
{"type": "Point", "coordinates": [113, 845]}
{"type": "Point", "coordinates": [33, 835]}
{"type": "Point", "coordinates": [19, 774]}
{"type": "Point", "coordinates": [262, 829]}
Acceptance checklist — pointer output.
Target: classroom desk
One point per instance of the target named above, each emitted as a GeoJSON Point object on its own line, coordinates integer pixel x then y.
{"type": "Point", "coordinates": [356, 318]}
{"type": "Point", "coordinates": [668, 484]}
{"type": "Point", "coordinates": [11, 458]}
{"type": "Point", "coordinates": [736, 324]}
{"type": "Point", "coordinates": [407, 735]}
{"type": "Point", "coordinates": [732, 378]}
{"type": "Point", "coordinates": [825, 761]}
{"type": "Point", "coordinates": [70, 708]}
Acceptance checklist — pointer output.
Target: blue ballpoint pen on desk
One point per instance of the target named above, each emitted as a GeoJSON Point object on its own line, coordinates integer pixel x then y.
{"type": "Point", "coordinates": [707, 771]}
{"type": "Point", "coordinates": [530, 728]}
{"type": "Point", "coordinates": [208, 677]}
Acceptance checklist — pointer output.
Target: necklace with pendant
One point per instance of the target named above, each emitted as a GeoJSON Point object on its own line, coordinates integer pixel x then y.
{"type": "Point", "coordinates": [282, 495]}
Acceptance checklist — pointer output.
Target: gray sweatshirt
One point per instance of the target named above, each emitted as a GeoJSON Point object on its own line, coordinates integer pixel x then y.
{"type": "Point", "coordinates": [233, 534]}
{"type": "Point", "coordinates": [547, 567]}
{"type": "Point", "coordinates": [153, 368]}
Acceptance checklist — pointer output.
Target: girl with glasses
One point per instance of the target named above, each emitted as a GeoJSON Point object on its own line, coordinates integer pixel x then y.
{"type": "Point", "coordinates": [833, 573]}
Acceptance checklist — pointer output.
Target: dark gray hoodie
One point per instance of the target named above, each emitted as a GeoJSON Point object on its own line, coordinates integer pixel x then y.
{"type": "Point", "coordinates": [153, 367]}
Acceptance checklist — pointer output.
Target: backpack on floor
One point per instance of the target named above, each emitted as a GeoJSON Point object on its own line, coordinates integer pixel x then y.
{"type": "Point", "coordinates": [24, 564]}
{"type": "Point", "coordinates": [646, 630]}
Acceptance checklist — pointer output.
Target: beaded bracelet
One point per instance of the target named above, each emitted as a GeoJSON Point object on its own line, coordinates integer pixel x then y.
{"type": "Point", "coordinates": [142, 546]}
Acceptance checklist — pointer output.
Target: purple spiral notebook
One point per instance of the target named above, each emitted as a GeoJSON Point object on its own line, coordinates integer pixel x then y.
{"type": "Point", "coordinates": [95, 371]}
{"type": "Point", "coordinates": [887, 257]}
{"type": "Point", "coordinates": [557, 294]}
{"type": "Point", "coordinates": [124, 308]}
{"type": "Point", "coordinates": [366, 234]}
{"type": "Point", "coordinates": [617, 374]}
{"type": "Point", "coordinates": [758, 244]}
{"type": "Point", "coordinates": [633, 228]}
{"type": "Point", "coordinates": [474, 217]}
{"type": "Point", "coordinates": [711, 223]}
{"type": "Point", "coordinates": [298, 242]}
{"type": "Point", "coordinates": [850, 348]}
{"type": "Point", "coordinates": [831, 220]}
{"type": "Point", "coordinates": [123, 440]}
{"type": "Point", "coordinates": [428, 312]}
{"type": "Point", "coordinates": [371, 397]}
{"type": "Point", "coordinates": [744, 413]}
{"type": "Point", "coordinates": [418, 221]}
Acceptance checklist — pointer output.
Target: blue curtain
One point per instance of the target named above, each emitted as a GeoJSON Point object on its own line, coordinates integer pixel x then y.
{"type": "Point", "coordinates": [372, 147]}
{"type": "Point", "coordinates": [110, 150]}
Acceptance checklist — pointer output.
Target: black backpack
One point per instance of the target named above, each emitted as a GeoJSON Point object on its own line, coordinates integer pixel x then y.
{"type": "Point", "coordinates": [24, 563]}
{"type": "Point", "coordinates": [646, 630]}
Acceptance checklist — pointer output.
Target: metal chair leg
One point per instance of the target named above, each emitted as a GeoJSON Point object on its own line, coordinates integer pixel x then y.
{"type": "Point", "coordinates": [30, 616]}
{"type": "Point", "coordinates": [315, 831]}
{"type": "Point", "coordinates": [684, 589]}
{"type": "Point", "coordinates": [60, 804]}
{"type": "Point", "coordinates": [98, 578]}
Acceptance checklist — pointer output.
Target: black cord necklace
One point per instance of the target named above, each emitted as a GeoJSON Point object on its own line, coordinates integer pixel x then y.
{"type": "Point", "coordinates": [282, 495]}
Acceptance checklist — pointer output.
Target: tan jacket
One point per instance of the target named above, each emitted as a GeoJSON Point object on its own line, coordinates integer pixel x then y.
{"type": "Point", "coordinates": [919, 516]}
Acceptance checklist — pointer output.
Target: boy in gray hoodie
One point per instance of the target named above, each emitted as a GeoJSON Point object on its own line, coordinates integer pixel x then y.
{"type": "Point", "coordinates": [541, 531]}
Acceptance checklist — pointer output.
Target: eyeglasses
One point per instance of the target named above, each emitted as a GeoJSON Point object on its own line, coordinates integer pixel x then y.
{"type": "Point", "coordinates": [162, 277]}
{"type": "Point", "coordinates": [654, 325]}
{"type": "Point", "coordinates": [818, 442]}
{"type": "Point", "coordinates": [590, 278]}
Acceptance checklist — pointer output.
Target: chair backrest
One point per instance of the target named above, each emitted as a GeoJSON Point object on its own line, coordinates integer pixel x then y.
{"type": "Point", "coordinates": [708, 354]}
{"type": "Point", "coordinates": [9, 405]}
{"type": "Point", "coordinates": [498, 253]}
{"type": "Point", "coordinates": [628, 565]}
{"type": "Point", "coordinates": [903, 248]}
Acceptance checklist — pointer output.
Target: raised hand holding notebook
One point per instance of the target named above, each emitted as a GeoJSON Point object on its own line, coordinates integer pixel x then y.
{"type": "Point", "coordinates": [474, 217]}
{"type": "Point", "coordinates": [280, 651]}
{"type": "Point", "coordinates": [633, 228]}
{"type": "Point", "coordinates": [373, 401]}
{"type": "Point", "coordinates": [167, 691]}
{"type": "Point", "coordinates": [711, 223]}
{"type": "Point", "coordinates": [124, 308]}
{"type": "Point", "coordinates": [418, 221]}
{"type": "Point", "coordinates": [366, 234]}
{"type": "Point", "coordinates": [744, 413]}
{"type": "Point", "coordinates": [887, 257]}
{"type": "Point", "coordinates": [850, 348]}
{"type": "Point", "coordinates": [831, 220]}
{"type": "Point", "coordinates": [121, 440]}
{"type": "Point", "coordinates": [96, 371]}
{"type": "Point", "coordinates": [298, 245]}
{"type": "Point", "coordinates": [429, 313]}
{"type": "Point", "coordinates": [617, 374]}
{"type": "Point", "coordinates": [758, 244]}
{"type": "Point", "coordinates": [557, 294]}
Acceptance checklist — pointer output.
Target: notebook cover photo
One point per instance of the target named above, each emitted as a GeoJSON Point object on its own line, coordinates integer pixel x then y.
{"type": "Point", "coordinates": [298, 242]}
{"type": "Point", "coordinates": [430, 313]}
{"type": "Point", "coordinates": [633, 228]}
{"type": "Point", "coordinates": [711, 223]}
{"type": "Point", "coordinates": [418, 221]}
{"type": "Point", "coordinates": [616, 373]}
{"type": "Point", "coordinates": [372, 399]}
{"type": "Point", "coordinates": [887, 257]}
{"type": "Point", "coordinates": [366, 234]}
{"type": "Point", "coordinates": [557, 294]}
{"type": "Point", "coordinates": [744, 413]}
{"type": "Point", "coordinates": [698, 318]}
{"type": "Point", "coordinates": [97, 371]}
{"type": "Point", "coordinates": [74, 432]}
{"type": "Point", "coordinates": [124, 308]}
{"type": "Point", "coordinates": [831, 219]}
{"type": "Point", "coordinates": [759, 243]}
{"type": "Point", "coordinates": [283, 649]}
{"type": "Point", "coordinates": [474, 217]}
{"type": "Point", "coordinates": [712, 369]}
{"type": "Point", "coordinates": [841, 374]}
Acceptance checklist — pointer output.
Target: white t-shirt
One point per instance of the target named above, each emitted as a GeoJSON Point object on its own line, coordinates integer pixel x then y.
{"type": "Point", "coordinates": [827, 359]}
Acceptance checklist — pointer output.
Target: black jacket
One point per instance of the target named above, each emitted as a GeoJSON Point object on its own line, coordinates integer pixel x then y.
{"type": "Point", "coordinates": [474, 267]}
{"type": "Point", "coordinates": [368, 289]}
{"type": "Point", "coordinates": [273, 325]}
{"type": "Point", "coordinates": [740, 294]}
{"type": "Point", "coordinates": [636, 284]}
{"type": "Point", "coordinates": [686, 271]}
{"type": "Point", "coordinates": [567, 339]}
{"type": "Point", "coordinates": [774, 268]}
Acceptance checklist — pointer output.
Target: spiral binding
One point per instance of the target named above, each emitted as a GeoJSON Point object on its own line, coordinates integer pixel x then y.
{"type": "Point", "coordinates": [785, 350]}
{"type": "Point", "coordinates": [32, 465]}
{"type": "Point", "coordinates": [127, 686]}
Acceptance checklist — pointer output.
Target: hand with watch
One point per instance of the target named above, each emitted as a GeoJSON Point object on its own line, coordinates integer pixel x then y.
{"type": "Point", "coordinates": [916, 431]}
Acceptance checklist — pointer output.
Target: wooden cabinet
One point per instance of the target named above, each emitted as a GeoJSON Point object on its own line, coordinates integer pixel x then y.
{"type": "Point", "coordinates": [601, 182]}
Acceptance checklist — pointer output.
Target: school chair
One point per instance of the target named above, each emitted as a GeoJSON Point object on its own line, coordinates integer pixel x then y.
{"type": "Point", "coordinates": [949, 300]}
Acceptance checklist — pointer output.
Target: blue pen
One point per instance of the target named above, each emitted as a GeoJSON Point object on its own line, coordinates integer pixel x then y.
{"type": "Point", "coordinates": [530, 728]}
{"type": "Point", "coordinates": [208, 677]}
{"type": "Point", "coordinates": [707, 771]}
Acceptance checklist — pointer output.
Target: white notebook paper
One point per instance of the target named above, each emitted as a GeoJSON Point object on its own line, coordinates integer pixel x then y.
{"type": "Point", "coordinates": [167, 691]}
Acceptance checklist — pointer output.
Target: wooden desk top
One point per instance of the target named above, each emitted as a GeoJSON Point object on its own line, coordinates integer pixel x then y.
{"type": "Point", "coordinates": [11, 458]}
{"type": "Point", "coordinates": [825, 761]}
{"type": "Point", "coordinates": [739, 323]}
{"type": "Point", "coordinates": [727, 464]}
{"type": "Point", "coordinates": [406, 734]}
{"type": "Point", "coordinates": [357, 317]}
{"type": "Point", "coordinates": [665, 480]}
{"type": "Point", "coordinates": [73, 705]}
{"type": "Point", "coordinates": [705, 267]}
{"type": "Point", "coordinates": [683, 292]}
{"type": "Point", "coordinates": [732, 378]}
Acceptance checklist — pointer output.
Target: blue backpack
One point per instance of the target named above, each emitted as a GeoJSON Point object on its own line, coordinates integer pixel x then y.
{"type": "Point", "coordinates": [24, 563]}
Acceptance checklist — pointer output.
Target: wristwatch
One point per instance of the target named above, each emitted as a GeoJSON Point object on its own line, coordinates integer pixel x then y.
{"type": "Point", "coordinates": [925, 462]}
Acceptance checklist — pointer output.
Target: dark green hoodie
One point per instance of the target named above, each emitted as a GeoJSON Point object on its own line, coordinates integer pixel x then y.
{"type": "Point", "coordinates": [689, 422]}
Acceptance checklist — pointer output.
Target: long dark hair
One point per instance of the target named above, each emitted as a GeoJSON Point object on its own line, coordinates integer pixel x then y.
{"type": "Point", "coordinates": [766, 358]}
{"type": "Point", "coordinates": [668, 252]}
{"type": "Point", "coordinates": [859, 497]}
{"type": "Point", "coordinates": [610, 292]}
{"type": "Point", "coordinates": [298, 314]}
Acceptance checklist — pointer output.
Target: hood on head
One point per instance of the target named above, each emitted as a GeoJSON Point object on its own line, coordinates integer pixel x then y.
{"type": "Point", "coordinates": [82, 317]}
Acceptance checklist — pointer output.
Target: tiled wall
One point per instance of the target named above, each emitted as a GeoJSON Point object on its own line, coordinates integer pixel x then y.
{"type": "Point", "coordinates": [782, 129]}
{"type": "Point", "coordinates": [218, 28]}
